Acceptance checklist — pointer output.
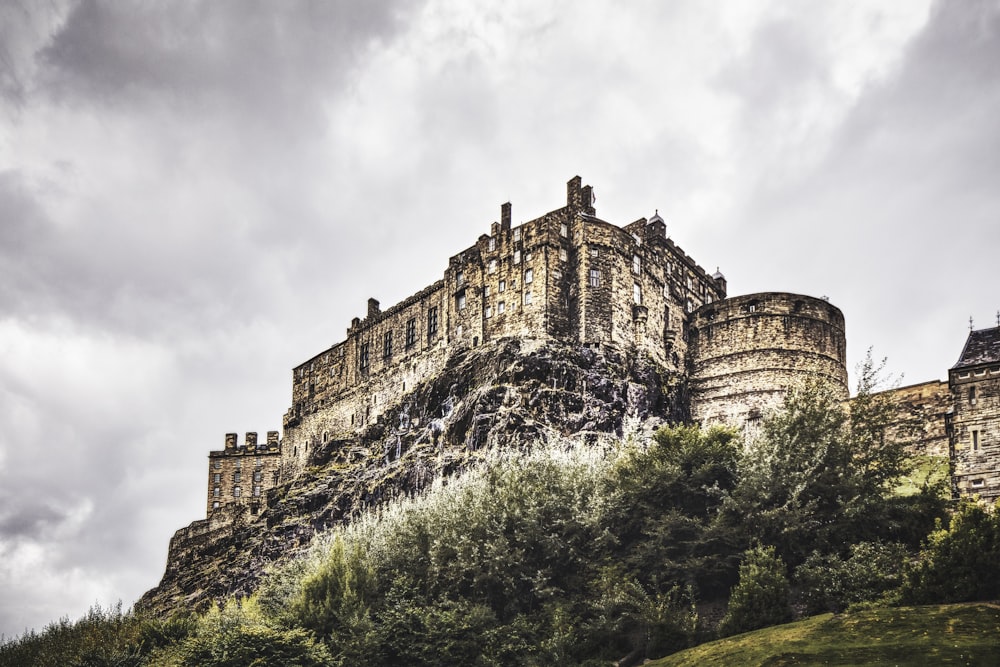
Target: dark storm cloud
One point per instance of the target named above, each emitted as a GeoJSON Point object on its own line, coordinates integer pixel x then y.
{"type": "Point", "coordinates": [257, 55]}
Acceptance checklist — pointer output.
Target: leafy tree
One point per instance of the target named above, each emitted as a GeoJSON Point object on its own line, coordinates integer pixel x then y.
{"type": "Point", "coordinates": [760, 598]}
{"type": "Point", "coordinates": [959, 563]}
{"type": "Point", "coordinates": [818, 475]}
{"type": "Point", "coordinates": [661, 504]}
{"type": "Point", "coordinates": [831, 583]}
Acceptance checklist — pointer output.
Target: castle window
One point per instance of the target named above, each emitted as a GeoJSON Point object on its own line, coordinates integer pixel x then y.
{"type": "Point", "coordinates": [363, 357]}
{"type": "Point", "coordinates": [975, 440]}
{"type": "Point", "coordinates": [493, 266]}
{"type": "Point", "coordinates": [557, 274]}
{"type": "Point", "coordinates": [594, 252]}
{"type": "Point", "coordinates": [258, 474]}
{"type": "Point", "coordinates": [972, 395]}
{"type": "Point", "coordinates": [517, 256]}
{"type": "Point", "coordinates": [460, 277]}
{"type": "Point", "coordinates": [517, 234]}
{"type": "Point", "coordinates": [501, 307]}
{"type": "Point", "coordinates": [527, 298]}
{"type": "Point", "coordinates": [432, 321]}
{"type": "Point", "coordinates": [486, 291]}
{"type": "Point", "coordinates": [978, 483]}
{"type": "Point", "coordinates": [563, 255]}
{"type": "Point", "coordinates": [637, 293]}
{"type": "Point", "coordinates": [527, 256]}
{"type": "Point", "coordinates": [595, 277]}
{"type": "Point", "coordinates": [217, 477]}
{"type": "Point", "coordinates": [528, 276]}
{"type": "Point", "coordinates": [502, 287]}
{"type": "Point", "coordinates": [458, 331]}
{"type": "Point", "coordinates": [489, 312]}
{"type": "Point", "coordinates": [274, 477]}
{"type": "Point", "coordinates": [690, 284]}
{"type": "Point", "coordinates": [236, 477]}
{"type": "Point", "coordinates": [460, 300]}
{"type": "Point", "coordinates": [493, 243]}
{"type": "Point", "coordinates": [689, 305]}
{"type": "Point", "coordinates": [215, 504]}
{"type": "Point", "coordinates": [563, 229]}
{"type": "Point", "coordinates": [237, 492]}
{"type": "Point", "coordinates": [636, 265]}
{"type": "Point", "coordinates": [216, 464]}
{"type": "Point", "coordinates": [387, 345]}
{"type": "Point", "coordinates": [216, 492]}
{"type": "Point", "coordinates": [256, 491]}
{"type": "Point", "coordinates": [411, 332]}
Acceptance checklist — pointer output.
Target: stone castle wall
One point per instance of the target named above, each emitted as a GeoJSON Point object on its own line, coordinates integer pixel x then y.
{"type": "Point", "coordinates": [748, 350]}
{"type": "Point", "coordinates": [921, 413]}
{"type": "Point", "coordinates": [240, 475]}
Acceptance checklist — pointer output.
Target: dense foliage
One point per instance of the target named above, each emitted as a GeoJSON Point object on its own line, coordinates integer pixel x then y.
{"type": "Point", "coordinates": [580, 555]}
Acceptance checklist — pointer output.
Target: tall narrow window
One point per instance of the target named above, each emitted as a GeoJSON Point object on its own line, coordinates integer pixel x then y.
{"type": "Point", "coordinates": [486, 292]}
{"type": "Point", "coordinates": [432, 321]}
{"type": "Point", "coordinates": [502, 286]}
{"type": "Point", "coordinates": [411, 332]}
{"type": "Point", "coordinates": [637, 293]}
{"type": "Point", "coordinates": [975, 440]}
{"type": "Point", "coordinates": [493, 243]}
{"type": "Point", "coordinates": [636, 264]}
{"type": "Point", "coordinates": [972, 395]}
{"type": "Point", "coordinates": [563, 229]}
{"type": "Point", "coordinates": [517, 234]}
{"type": "Point", "coordinates": [517, 256]}
{"type": "Point", "coordinates": [595, 277]}
{"type": "Point", "coordinates": [563, 255]}
{"type": "Point", "coordinates": [489, 312]}
{"type": "Point", "coordinates": [237, 491]}
{"type": "Point", "coordinates": [460, 300]}
{"type": "Point", "coordinates": [493, 266]}
{"type": "Point", "coordinates": [500, 307]}
{"type": "Point", "coordinates": [527, 298]}
{"type": "Point", "coordinates": [460, 277]}
{"type": "Point", "coordinates": [363, 357]}
{"type": "Point", "coordinates": [387, 345]}
{"type": "Point", "coordinates": [528, 276]}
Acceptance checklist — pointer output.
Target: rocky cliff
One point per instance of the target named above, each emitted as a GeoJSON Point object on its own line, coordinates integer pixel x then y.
{"type": "Point", "coordinates": [512, 393]}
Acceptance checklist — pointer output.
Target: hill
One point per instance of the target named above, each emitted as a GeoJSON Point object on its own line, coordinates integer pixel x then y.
{"type": "Point", "coordinates": [958, 634]}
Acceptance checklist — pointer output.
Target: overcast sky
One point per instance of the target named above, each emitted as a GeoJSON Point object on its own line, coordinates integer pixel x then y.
{"type": "Point", "coordinates": [197, 196]}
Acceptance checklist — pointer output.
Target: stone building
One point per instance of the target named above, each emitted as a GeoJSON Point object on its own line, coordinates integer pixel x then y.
{"type": "Point", "coordinates": [974, 425]}
{"type": "Point", "coordinates": [240, 475]}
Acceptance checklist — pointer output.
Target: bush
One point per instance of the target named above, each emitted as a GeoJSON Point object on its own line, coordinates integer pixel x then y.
{"type": "Point", "coordinates": [960, 563]}
{"type": "Point", "coordinates": [760, 598]}
{"type": "Point", "coordinates": [830, 583]}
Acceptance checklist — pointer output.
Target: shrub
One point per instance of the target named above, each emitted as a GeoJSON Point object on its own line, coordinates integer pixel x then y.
{"type": "Point", "coordinates": [831, 583]}
{"type": "Point", "coordinates": [760, 598]}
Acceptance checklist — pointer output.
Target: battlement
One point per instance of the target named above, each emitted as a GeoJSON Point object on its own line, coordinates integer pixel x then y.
{"type": "Point", "coordinates": [250, 445]}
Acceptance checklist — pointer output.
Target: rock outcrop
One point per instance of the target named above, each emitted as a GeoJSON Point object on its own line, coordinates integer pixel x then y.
{"type": "Point", "coordinates": [510, 394]}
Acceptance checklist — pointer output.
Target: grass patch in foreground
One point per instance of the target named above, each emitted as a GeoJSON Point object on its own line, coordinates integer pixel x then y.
{"type": "Point", "coordinates": [957, 634]}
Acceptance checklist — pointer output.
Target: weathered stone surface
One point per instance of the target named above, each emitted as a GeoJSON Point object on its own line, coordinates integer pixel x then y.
{"type": "Point", "coordinates": [974, 384]}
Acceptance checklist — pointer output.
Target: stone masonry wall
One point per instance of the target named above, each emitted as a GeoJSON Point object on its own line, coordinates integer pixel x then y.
{"type": "Point", "coordinates": [921, 413]}
{"type": "Point", "coordinates": [975, 425]}
{"type": "Point", "coordinates": [240, 475]}
{"type": "Point", "coordinates": [748, 350]}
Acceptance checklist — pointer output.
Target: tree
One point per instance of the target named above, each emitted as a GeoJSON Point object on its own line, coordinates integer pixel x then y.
{"type": "Point", "coordinates": [960, 563]}
{"type": "Point", "coordinates": [819, 474]}
{"type": "Point", "coordinates": [760, 598]}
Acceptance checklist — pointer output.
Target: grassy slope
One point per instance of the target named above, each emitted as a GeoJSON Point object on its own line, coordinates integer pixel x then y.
{"type": "Point", "coordinates": [934, 635]}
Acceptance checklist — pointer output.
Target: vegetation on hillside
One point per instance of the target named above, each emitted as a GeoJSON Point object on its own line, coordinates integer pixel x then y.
{"type": "Point", "coordinates": [572, 554]}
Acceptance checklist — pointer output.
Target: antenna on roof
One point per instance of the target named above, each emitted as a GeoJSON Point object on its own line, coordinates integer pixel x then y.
{"type": "Point", "coordinates": [970, 323]}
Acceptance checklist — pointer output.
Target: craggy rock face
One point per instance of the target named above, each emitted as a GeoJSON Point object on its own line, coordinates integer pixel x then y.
{"type": "Point", "coordinates": [512, 393]}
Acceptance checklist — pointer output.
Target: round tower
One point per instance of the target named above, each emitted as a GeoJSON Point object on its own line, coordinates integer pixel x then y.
{"type": "Point", "coordinates": [747, 351]}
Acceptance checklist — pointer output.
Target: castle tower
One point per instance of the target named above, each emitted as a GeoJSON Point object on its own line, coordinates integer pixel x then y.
{"type": "Point", "coordinates": [747, 351]}
{"type": "Point", "coordinates": [974, 383]}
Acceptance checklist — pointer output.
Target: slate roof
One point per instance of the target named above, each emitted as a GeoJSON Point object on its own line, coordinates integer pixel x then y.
{"type": "Point", "coordinates": [982, 347]}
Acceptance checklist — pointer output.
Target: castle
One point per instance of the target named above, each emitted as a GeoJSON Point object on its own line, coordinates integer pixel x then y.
{"type": "Point", "coordinates": [570, 277]}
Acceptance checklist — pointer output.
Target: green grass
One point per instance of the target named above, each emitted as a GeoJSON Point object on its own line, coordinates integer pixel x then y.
{"type": "Point", "coordinates": [935, 635]}
{"type": "Point", "coordinates": [928, 470]}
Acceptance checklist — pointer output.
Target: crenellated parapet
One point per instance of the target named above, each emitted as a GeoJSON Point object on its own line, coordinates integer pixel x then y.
{"type": "Point", "coordinates": [240, 474]}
